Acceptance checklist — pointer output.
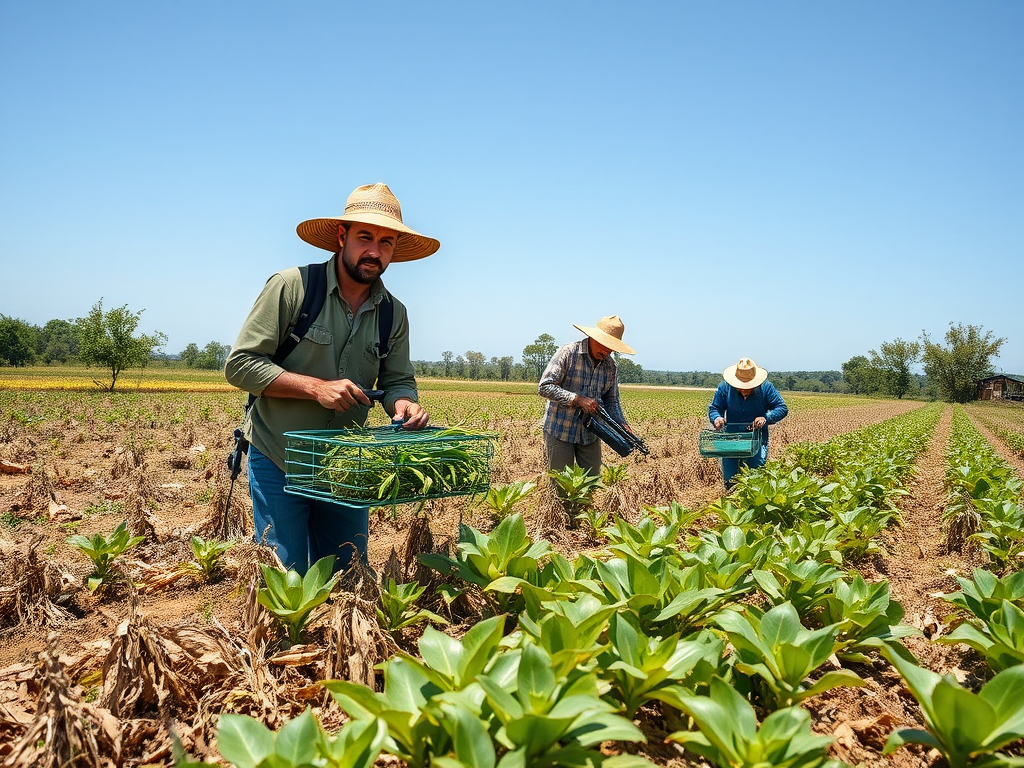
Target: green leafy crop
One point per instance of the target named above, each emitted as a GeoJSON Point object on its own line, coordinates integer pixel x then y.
{"type": "Point", "coordinates": [103, 551]}
{"type": "Point", "coordinates": [292, 598]}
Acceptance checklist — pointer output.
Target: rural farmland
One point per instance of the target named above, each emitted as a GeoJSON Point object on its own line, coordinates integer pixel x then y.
{"type": "Point", "coordinates": [821, 599]}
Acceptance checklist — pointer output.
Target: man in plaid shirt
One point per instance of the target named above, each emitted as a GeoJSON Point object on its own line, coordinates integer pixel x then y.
{"type": "Point", "coordinates": [579, 378]}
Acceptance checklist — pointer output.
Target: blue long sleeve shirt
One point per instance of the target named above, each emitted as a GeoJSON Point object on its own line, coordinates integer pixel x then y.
{"type": "Point", "coordinates": [738, 411]}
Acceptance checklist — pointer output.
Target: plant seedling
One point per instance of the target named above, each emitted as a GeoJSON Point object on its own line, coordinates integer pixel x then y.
{"type": "Point", "coordinates": [103, 551]}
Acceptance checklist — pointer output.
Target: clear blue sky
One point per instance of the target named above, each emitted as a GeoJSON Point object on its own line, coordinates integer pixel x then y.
{"type": "Point", "coordinates": [792, 181]}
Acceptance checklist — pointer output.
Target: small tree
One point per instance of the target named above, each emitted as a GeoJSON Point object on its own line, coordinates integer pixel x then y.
{"type": "Point", "coordinates": [536, 355]}
{"type": "Point", "coordinates": [505, 367]}
{"type": "Point", "coordinates": [58, 342]}
{"type": "Point", "coordinates": [213, 356]}
{"type": "Point", "coordinates": [189, 354]}
{"type": "Point", "coordinates": [860, 376]}
{"type": "Point", "coordinates": [447, 357]}
{"type": "Point", "coordinates": [894, 362]}
{"type": "Point", "coordinates": [107, 339]}
{"type": "Point", "coordinates": [629, 372]}
{"type": "Point", "coordinates": [475, 363]}
{"type": "Point", "coordinates": [17, 341]}
{"type": "Point", "coordinates": [967, 357]}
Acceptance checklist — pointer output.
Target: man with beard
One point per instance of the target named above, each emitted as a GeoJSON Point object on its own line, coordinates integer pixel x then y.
{"type": "Point", "coordinates": [321, 383]}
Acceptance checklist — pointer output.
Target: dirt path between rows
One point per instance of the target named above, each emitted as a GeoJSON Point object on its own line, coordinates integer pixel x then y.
{"type": "Point", "coordinates": [917, 567]}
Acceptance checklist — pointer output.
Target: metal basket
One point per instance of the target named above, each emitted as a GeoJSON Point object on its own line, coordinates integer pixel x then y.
{"type": "Point", "coordinates": [729, 444]}
{"type": "Point", "coordinates": [383, 465]}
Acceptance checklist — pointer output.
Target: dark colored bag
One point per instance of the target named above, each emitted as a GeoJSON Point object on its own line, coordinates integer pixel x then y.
{"type": "Point", "coordinates": [614, 435]}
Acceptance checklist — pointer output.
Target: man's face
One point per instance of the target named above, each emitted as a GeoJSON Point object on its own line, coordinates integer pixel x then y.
{"type": "Point", "coordinates": [598, 351]}
{"type": "Point", "coordinates": [366, 251]}
{"type": "Point", "coordinates": [744, 392]}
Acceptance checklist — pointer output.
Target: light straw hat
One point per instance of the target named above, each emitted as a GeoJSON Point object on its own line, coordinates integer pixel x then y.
{"type": "Point", "coordinates": [370, 204]}
{"type": "Point", "coordinates": [745, 374]}
{"type": "Point", "coordinates": [609, 333]}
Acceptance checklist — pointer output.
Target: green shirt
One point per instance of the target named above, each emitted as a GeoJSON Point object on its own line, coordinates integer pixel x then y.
{"type": "Point", "coordinates": [338, 345]}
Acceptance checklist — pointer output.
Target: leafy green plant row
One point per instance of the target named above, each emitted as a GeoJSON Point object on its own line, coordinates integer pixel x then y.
{"type": "Point", "coordinates": [1014, 438]}
{"type": "Point", "coordinates": [983, 503]}
{"type": "Point", "coordinates": [648, 620]}
{"type": "Point", "coordinates": [833, 498]}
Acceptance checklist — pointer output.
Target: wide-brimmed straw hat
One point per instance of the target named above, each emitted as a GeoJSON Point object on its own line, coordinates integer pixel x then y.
{"type": "Point", "coordinates": [370, 204]}
{"type": "Point", "coordinates": [745, 374]}
{"type": "Point", "coordinates": [609, 333]}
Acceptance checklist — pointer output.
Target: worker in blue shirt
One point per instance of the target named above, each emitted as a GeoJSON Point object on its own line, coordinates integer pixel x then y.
{"type": "Point", "coordinates": [746, 400]}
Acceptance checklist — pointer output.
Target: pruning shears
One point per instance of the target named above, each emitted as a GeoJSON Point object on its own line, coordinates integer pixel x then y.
{"type": "Point", "coordinates": [377, 396]}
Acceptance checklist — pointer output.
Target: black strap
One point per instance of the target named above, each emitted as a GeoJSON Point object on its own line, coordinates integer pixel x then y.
{"type": "Point", "coordinates": [314, 287]}
{"type": "Point", "coordinates": [314, 295]}
{"type": "Point", "coordinates": [385, 319]}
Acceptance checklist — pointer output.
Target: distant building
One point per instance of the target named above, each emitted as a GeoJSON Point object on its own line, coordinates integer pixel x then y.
{"type": "Point", "coordinates": [1001, 387]}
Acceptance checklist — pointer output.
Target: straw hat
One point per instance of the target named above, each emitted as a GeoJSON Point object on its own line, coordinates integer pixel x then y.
{"type": "Point", "coordinates": [370, 204]}
{"type": "Point", "coordinates": [745, 374]}
{"type": "Point", "coordinates": [609, 333]}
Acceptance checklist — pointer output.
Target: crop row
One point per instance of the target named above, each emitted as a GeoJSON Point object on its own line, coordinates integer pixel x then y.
{"type": "Point", "coordinates": [983, 497]}
{"type": "Point", "coordinates": [707, 629]}
{"type": "Point", "coordinates": [716, 625]}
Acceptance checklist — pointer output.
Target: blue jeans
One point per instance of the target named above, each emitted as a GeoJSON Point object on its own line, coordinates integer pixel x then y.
{"type": "Point", "coordinates": [731, 466]}
{"type": "Point", "coordinates": [303, 530]}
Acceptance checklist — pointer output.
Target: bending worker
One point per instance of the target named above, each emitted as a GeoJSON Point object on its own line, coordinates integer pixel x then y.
{"type": "Point", "coordinates": [580, 377]}
{"type": "Point", "coordinates": [746, 400]}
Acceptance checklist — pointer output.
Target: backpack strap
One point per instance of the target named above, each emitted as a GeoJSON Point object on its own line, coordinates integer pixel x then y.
{"type": "Point", "coordinates": [385, 319]}
{"type": "Point", "coordinates": [314, 287]}
{"type": "Point", "coordinates": [314, 295]}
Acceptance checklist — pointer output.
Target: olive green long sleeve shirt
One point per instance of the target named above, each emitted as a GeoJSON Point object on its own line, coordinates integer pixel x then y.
{"type": "Point", "coordinates": [338, 345]}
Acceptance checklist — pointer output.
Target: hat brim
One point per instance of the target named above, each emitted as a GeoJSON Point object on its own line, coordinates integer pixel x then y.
{"type": "Point", "coordinates": [729, 374]}
{"type": "Point", "coordinates": [411, 245]}
{"type": "Point", "coordinates": [614, 344]}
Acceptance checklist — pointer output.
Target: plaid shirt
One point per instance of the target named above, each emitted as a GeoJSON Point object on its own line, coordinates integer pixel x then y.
{"type": "Point", "coordinates": [572, 371]}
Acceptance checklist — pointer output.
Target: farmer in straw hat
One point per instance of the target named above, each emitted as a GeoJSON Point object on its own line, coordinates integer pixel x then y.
{"type": "Point", "coordinates": [746, 400]}
{"type": "Point", "coordinates": [320, 384]}
{"type": "Point", "coordinates": [580, 377]}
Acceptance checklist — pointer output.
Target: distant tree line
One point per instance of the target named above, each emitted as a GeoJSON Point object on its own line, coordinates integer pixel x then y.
{"type": "Point", "coordinates": [59, 342]}
{"type": "Point", "coordinates": [951, 369]}
{"type": "Point", "coordinates": [103, 339]}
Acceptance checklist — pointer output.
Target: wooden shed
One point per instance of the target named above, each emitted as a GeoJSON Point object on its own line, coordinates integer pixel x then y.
{"type": "Point", "coordinates": [1001, 387]}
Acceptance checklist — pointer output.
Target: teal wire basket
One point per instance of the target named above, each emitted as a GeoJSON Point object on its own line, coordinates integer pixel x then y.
{"type": "Point", "coordinates": [729, 445]}
{"type": "Point", "coordinates": [380, 466]}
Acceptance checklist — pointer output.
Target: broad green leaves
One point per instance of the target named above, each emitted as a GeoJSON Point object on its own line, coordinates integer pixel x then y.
{"type": "Point", "coordinates": [292, 598]}
{"type": "Point", "coordinates": [967, 728]}
{"type": "Point", "coordinates": [103, 551]}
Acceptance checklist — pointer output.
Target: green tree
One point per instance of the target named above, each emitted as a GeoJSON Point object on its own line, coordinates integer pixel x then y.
{"type": "Point", "coordinates": [861, 377]}
{"type": "Point", "coordinates": [965, 358]}
{"type": "Point", "coordinates": [505, 367]}
{"type": "Point", "coordinates": [447, 358]}
{"type": "Point", "coordinates": [57, 342]}
{"type": "Point", "coordinates": [537, 355]}
{"type": "Point", "coordinates": [475, 363]}
{"type": "Point", "coordinates": [213, 356]}
{"type": "Point", "coordinates": [108, 339]}
{"type": "Point", "coordinates": [629, 372]}
{"type": "Point", "coordinates": [189, 354]}
{"type": "Point", "coordinates": [894, 362]}
{"type": "Point", "coordinates": [17, 341]}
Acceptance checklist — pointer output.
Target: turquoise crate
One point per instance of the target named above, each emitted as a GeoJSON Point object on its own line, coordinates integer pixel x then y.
{"type": "Point", "coordinates": [380, 466]}
{"type": "Point", "coordinates": [729, 445]}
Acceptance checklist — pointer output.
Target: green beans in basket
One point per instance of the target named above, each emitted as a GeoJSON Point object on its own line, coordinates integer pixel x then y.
{"type": "Point", "coordinates": [387, 466]}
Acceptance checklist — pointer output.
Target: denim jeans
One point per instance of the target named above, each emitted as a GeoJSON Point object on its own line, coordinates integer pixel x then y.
{"type": "Point", "coordinates": [302, 530]}
{"type": "Point", "coordinates": [731, 466]}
